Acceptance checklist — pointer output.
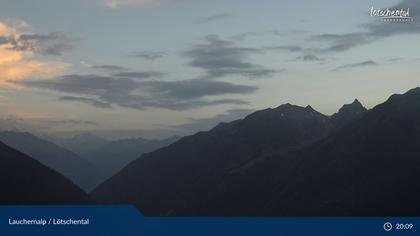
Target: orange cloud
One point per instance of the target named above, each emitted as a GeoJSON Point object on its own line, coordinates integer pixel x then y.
{"type": "Point", "coordinates": [8, 31]}
{"type": "Point", "coordinates": [17, 64]}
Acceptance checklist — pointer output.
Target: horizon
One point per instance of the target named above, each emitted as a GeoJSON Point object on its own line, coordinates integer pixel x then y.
{"type": "Point", "coordinates": [115, 135]}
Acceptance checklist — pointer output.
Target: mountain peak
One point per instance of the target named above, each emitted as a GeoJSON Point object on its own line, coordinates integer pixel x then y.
{"type": "Point", "coordinates": [356, 102]}
{"type": "Point", "coordinates": [348, 112]}
{"type": "Point", "coordinates": [295, 152]}
{"type": "Point", "coordinates": [355, 106]}
{"type": "Point", "coordinates": [291, 111]}
{"type": "Point", "coordinates": [310, 108]}
{"type": "Point", "coordinates": [291, 107]}
{"type": "Point", "coordinates": [286, 105]}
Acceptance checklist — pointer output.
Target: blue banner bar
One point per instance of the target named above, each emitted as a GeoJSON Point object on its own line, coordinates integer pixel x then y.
{"type": "Point", "coordinates": [127, 220]}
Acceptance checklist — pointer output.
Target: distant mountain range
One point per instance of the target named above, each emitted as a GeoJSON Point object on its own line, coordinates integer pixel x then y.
{"type": "Point", "coordinates": [114, 155]}
{"type": "Point", "coordinates": [99, 159]}
{"type": "Point", "coordinates": [24, 180]}
{"type": "Point", "coordinates": [289, 160]}
{"type": "Point", "coordinates": [77, 169]}
{"type": "Point", "coordinates": [83, 143]}
{"type": "Point", "coordinates": [286, 161]}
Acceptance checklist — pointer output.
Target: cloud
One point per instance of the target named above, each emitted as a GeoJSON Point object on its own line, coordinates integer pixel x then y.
{"type": "Point", "coordinates": [85, 84]}
{"type": "Point", "coordinates": [354, 65]}
{"type": "Point", "coordinates": [69, 122]}
{"type": "Point", "coordinates": [16, 59]}
{"type": "Point", "coordinates": [140, 74]}
{"type": "Point", "coordinates": [106, 91]}
{"type": "Point", "coordinates": [307, 54]}
{"type": "Point", "coordinates": [16, 65]}
{"type": "Point", "coordinates": [189, 104]}
{"type": "Point", "coordinates": [148, 55]}
{"type": "Point", "coordinates": [3, 99]}
{"type": "Point", "coordinates": [395, 59]}
{"type": "Point", "coordinates": [89, 101]}
{"type": "Point", "coordinates": [343, 42]}
{"type": "Point", "coordinates": [195, 88]}
{"type": "Point", "coordinates": [212, 18]}
{"type": "Point", "coordinates": [284, 33]}
{"type": "Point", "coordinates": [289, 48]}
{"type": "Point", "coordinates": [13, 33]}
{"type": "Point", "coordinates": [52, 44]}
{"type": "Point", "coordinates": [243, 36]}
{"type": "Point", "coordinates": [108, 68]}
{"type": "Point", "coordinates": [372, 31]}
{"type": "Point", "coordinates": [40, 125]}
{"type": "Point", "coordinates": [120, 3]}
{"type": "Point", "coordinates": [220, 58]}
{"type": "Point", "coordinates": [195, 125]}
{"type": "Point", "coordinates": [311, 58]}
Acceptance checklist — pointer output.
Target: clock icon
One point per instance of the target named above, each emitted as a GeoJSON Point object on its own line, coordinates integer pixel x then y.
{"type": "Point", "coordinates": [387, 226]}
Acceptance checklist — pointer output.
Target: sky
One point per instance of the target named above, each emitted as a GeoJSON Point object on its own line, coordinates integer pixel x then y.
{"type": "Point", "coordinates": [160, 67]}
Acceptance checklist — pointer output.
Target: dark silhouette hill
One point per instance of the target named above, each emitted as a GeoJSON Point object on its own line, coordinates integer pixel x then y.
{"type": "Point", "coordinates": [182, 174]}
{"type": "Point", "coordinates": [77, 169]}
{"type": "Point", "coordinates": [114, 155]}
{"type": "Point", "coordinates": [24, 180]}
{"type": "Point", "coordinates": [286, 161]}
{"type": "Point", "coordinates": [370, 167]}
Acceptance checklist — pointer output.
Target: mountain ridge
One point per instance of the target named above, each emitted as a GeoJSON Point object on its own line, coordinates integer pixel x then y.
{"type": "Point", "coordinates": [225, 147]}
{"type": "Point", "coordinates": [24, 180]}
{"type": "Point", "coordinates": [230, 169]}
{"type": "Point", "coordinates": [53, 156]}
{"type": "Point", "coordinates": [386, 138]}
